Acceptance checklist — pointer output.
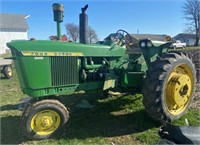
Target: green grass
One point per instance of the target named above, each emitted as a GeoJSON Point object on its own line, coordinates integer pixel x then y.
{"type": "Point", "coordinates": [193, 47]}
{"type": "Point", "coordinates": [186, 48]}
{"type": "Point", "coordinates": [118, 120]}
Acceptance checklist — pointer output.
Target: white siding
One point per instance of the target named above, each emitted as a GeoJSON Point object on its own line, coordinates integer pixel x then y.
{"type": "Point", "coordinates": [9, 35]}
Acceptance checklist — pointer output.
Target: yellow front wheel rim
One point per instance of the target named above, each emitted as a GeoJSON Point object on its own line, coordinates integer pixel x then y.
{"type": "Point", "coordinates": [178, 92]}
{"type": "Point", "coordinates": [9, 71]}
{"type": "Point", "coordinates": [45, 122]}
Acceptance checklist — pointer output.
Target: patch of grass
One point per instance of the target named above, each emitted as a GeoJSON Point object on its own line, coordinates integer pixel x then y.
{"type": "Point", "coordinates": [115, 119]}
{"type": "Point", "coordinates": [10, 94]}
{"type": "Point", "coordinates": [189, 48]}
{"type": "Point", "coordinates": [5, 55]}
{"type": "Point", "coordinates": [192, 47]}
{"type": "Point", "coordinates": [118, 120]}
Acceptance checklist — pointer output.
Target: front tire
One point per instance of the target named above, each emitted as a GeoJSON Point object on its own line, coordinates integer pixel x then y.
{"type": "Point", "coordinates": [42, 119]}
{"type": "Point", "coordinates": [7, 71]}
{"type": "Point", "coordinates": [169, 87]}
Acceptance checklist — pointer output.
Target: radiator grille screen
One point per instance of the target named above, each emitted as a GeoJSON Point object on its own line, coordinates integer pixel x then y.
{"type": "Point", "coordinates": [64, 71]}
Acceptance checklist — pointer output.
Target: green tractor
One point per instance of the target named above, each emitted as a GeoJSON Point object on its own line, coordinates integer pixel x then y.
{"type": "Point", "coordinates": [48, 69]}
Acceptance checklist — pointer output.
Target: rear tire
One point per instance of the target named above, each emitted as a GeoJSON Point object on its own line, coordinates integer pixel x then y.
{"type": "Point", "coordinates": [7, 71]}
{"type": "Point", "coordinates": [169, 87]}
{"type": "Point", "coordinates": [42, 119]}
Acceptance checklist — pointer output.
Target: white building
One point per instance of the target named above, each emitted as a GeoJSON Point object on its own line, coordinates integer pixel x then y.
{"type": "Point", "coordinates": [12, 27]}
{"type": "Point", "coordinates": [189, 39]}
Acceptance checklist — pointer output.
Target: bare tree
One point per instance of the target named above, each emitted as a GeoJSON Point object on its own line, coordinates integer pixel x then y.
{"type": "Point", "coordinates": [72, 31]}
{"type": "Point", "coordinates": [191, 11]}
{"type": "Point", "coordinates": [92, 35]}
{"type": "Point", "coordinates": [189, 30]}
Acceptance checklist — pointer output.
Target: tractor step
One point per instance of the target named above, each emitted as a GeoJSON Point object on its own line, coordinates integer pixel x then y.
{"type": "Point", "coordinates": [136, 72]}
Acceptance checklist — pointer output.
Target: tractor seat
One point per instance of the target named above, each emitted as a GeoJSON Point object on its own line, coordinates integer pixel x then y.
{"type": "Point", "coordinates": [181, 134]}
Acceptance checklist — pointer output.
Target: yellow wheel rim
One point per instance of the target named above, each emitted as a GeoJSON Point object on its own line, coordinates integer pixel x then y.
{"type": "Point", "coordinates": [9, 71]}
{"type": "Point", "coordinates": [45, 122]}
{"type": "Point", "coordinates": [179, 87]}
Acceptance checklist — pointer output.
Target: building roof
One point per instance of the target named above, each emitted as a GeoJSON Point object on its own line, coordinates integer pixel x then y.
{"type": "Point", "coordinates": [185, 35]}
{"type": "Point", "coordinates": [13, 21]}
{"type": "Point", "coordinates": [150, 36]}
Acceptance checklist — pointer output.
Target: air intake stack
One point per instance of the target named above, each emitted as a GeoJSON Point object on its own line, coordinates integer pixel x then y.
{"type": "Point", "coordinates": [83, 26]}
{"type": "Point", "coordinates": [58, 10]}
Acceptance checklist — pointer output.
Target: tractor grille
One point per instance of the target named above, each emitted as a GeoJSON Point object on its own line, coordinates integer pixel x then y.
{"type": "Point", "coordinates": [64, 71]}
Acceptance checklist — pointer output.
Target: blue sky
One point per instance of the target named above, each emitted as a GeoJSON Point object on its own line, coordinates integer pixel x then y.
{"type": "Point", "coordinates": [146, 16]}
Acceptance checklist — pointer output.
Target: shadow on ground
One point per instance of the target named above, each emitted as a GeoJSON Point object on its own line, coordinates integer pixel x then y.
{"type": "Point", "coordinates": [2, 78]}
{"type": "Point", "coordinates": [9, 107]}
{"type": "Point", "coordinates": [10, 130]}
{"type": "Point", "coordinates": [109, 118]}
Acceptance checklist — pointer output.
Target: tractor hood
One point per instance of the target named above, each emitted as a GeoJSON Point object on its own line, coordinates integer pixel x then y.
{"type": "Point", "coordinates": [58, 48]}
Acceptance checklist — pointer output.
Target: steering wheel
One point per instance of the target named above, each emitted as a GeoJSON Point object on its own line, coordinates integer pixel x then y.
{"type": "Point", "coordinates": [124, 37]}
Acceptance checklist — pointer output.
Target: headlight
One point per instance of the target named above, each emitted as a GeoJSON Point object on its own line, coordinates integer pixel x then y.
{"type": "Point", "coordinates": [143, 44]}
{"type": "Point", "coordinates": [149, 44]}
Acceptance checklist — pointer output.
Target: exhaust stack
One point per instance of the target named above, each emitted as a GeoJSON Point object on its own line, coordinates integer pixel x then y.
{"type": "Point", "coordinates": [83, 25]}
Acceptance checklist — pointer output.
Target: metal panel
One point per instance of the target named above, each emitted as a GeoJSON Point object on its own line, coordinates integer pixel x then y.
{"type": "Point", "coordinates": [64, 71]}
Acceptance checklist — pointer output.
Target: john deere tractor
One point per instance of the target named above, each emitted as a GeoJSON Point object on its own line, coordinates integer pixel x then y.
{"type": "Point", "coordinates": [48, 69]}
